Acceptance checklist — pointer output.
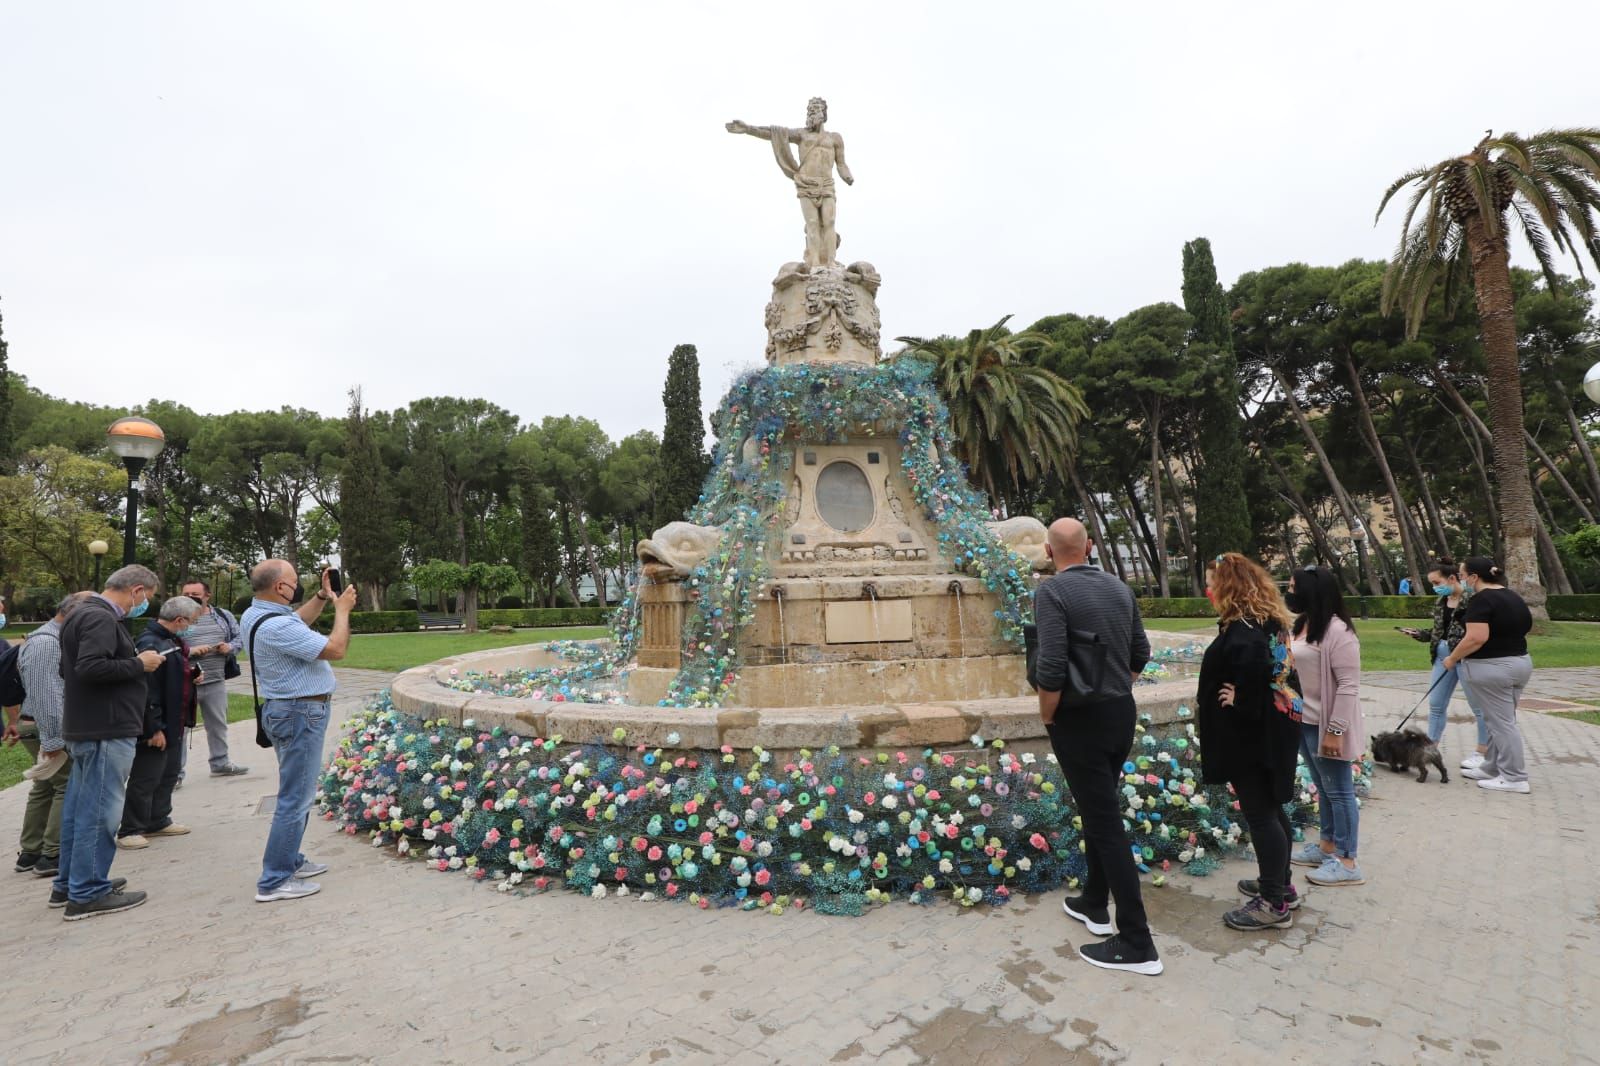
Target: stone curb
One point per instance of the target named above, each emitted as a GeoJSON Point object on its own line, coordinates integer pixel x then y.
{"type": "Point", "coordinates": [418, 691]}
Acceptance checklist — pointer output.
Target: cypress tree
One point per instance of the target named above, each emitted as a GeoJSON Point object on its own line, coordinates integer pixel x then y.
{"type": "Point", "coordinates": [1222, 511]}
{"type": "Point", "coordinates": [683, 456]}
{"type": "Point", "coordinates": [6, 428]}
{"type": "Point", "coordinates": [369, 543]}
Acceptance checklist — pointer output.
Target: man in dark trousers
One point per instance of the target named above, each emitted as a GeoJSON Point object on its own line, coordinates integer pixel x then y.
{"type": "Point", "coordinates": [1092, 733]}
{"type": "Point", "coordinates": [104, 697]}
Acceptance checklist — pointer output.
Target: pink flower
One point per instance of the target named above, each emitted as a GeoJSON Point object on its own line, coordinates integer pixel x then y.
{"type": "Point", "coordinates": [870, 798]}
{"type": "Point", "coordinates": [691, 807]}
{"type": "Point", "coordinates": [747, 844]}
{"type": "Point", "coordinates": [622, 873]}
{"type": "Point", "coordinates": [952, 831]}
{"type": "Point", "coordinates": [541, 882]}
{"type": "Point", "coordinates": [1038, 841]}
{"type": "Point", "coordinates": [763, 877]}
{"type": "Point", "coordinates": [640, 843]}
{"type": "Point", "coordinates": [705, 837]}
{"type": "Point", "coordinates": [654, 854]}
{"type": "Point", "coordinates": [492, 837]}
{"type": "Point", "coordinates": [672, 888]}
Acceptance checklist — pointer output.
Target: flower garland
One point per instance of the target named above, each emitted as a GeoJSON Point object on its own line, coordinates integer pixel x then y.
{"type": "Point", "coordinates": [823, 829]}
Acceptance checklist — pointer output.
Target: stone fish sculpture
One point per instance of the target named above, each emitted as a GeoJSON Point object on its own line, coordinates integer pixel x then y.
{"type": "Point", "coordinates": [674, 550]}
{"type": "Point", "coordinates": [1024, 535]}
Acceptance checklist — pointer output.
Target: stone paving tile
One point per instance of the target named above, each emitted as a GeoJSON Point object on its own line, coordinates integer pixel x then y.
{"type": "Point", "coordinates": [1474, 941]}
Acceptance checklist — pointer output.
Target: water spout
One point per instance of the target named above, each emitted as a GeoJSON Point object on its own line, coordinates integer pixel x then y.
{"type": "Point", "coordinates": [869, 591]}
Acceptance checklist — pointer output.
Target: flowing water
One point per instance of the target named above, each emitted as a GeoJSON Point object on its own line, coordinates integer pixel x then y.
{"type": "Point", "coordinates": [877, 636]}
{"type": "Point", "coordinates": [961, 644]}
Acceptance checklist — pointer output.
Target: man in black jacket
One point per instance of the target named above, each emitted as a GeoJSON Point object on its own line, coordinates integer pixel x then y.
{"type": "Point", "coordinates": [104, 697]}
{"type": "Point", "coordinates": [1092, 732]}
{"type": "Point", "coordinates": [169, 711]}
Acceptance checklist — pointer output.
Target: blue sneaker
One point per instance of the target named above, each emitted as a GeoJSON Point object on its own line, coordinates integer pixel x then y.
{"type": "Point", "coordinates": [1335, 874]}
{"type": "Point", "coordinates": [1310, 854]}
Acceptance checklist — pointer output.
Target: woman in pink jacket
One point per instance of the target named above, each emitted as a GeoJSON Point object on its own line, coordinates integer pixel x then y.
{"type": "Point", "coordinates": [1327, 656]}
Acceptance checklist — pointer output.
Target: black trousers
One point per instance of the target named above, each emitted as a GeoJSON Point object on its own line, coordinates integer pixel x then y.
{"type": "Point", "coordinates": [1270, 831]}
{"type": "Point", "coordinates": [1091, 744]}
{"type": "Point", "coordinates": [148, 806]}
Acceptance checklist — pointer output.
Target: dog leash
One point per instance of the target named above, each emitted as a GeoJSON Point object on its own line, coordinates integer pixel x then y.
{"type": "Point", "coordinates": [1420, 702]}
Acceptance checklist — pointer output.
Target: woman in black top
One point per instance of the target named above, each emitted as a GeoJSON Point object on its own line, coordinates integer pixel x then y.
{"type": "Point", "coordinates": [1493, 659]}
{"type": "Point", "coordinates": [1249, 716]}
{"type": "Point", "coordinates": [1449, 627]}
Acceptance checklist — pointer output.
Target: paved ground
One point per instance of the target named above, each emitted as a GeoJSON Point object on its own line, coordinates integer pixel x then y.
{"type": "Point", "coordinates": [1562, 683]}
{"type": "Point", "coordinates": [1474, 941]}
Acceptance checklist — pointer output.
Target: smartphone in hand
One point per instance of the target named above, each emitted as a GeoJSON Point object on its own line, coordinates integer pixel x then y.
{"type": "Point", "coordinates": [335, 580]}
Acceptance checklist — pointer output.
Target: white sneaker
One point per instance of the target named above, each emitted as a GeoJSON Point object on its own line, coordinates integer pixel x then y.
{"type": "Point", "coordinates": [1473, 761]}
{"type": "Point", "coordinates": [290, 889]}
{"type": "Point", "coordinates": [1500, 784]}
{"type": "Point", "coordinates": [1475, 774]}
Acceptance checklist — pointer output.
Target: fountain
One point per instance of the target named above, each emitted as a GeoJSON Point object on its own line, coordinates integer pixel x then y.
{"type": "Point", "coordinates": [814, 696]}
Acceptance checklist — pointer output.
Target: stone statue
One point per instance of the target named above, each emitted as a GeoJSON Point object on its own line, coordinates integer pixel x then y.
{"type": "Point", "coordinates": [820, 152]}
{"type": "Point", "coordinates": [1025, 536]}
{"type": "Point", "coordinates": [673, 552]}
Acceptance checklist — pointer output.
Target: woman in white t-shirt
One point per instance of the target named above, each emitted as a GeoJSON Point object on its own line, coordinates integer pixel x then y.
{"type": "Point", "coordinates": [1327, 657]}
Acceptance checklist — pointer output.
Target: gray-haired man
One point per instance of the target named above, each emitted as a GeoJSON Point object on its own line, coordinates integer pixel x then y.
{"type": "Point", "coordinates": [214, 640]}
{"type": "Point", "coordinates": [104, 715]}
{"type": "Point", "coordinates": [168, 711]}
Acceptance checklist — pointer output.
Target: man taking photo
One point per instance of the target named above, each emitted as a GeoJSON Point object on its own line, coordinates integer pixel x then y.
{"type": "Point", "coordinates": [290, 662]}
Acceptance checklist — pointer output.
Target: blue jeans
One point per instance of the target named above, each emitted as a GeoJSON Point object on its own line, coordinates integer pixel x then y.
{"type": "Point", "coordinates": [1336, 793]}
{"type": "Point", "coordinates": [91, 814]}
{"type": "Point", "coordinates": [1439, 699]}
{"type": "Point", "coordinates": [296, 728]}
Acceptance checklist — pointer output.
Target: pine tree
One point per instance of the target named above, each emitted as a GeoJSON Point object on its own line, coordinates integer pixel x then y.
{"type": "Point", "coordinates": [1222, 511]}
{"type": "Point", "coordinates": [683, 457]}
{"type": "Point", "coordinates": [367, 528]}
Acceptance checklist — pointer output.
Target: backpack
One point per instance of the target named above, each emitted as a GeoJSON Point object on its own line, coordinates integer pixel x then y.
{"type": "Point", "coordinates": [11, 691]}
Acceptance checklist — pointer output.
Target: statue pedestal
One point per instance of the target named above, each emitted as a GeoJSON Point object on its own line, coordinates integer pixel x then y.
{"type": "Point", "coordinates": [825, 315]}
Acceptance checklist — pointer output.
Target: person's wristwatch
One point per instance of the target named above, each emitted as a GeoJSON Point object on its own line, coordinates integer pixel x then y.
{"type": "Point", "coordinates": [1332, 732]}
{"type": "Point", "coordinates": [323, 596]}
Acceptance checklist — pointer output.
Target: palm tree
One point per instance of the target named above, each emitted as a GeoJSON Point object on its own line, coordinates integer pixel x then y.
{"type": "Point", "coordinates": [1013, 420]}
{"type": "Point", "coordinates": [1455, 230]}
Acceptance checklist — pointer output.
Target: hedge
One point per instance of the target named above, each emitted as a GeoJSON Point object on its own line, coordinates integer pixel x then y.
{"type": "Point", "coordinates": [1176, 607]}
{"type": "Point", "coordinates": [1375, 606]}
{"type": "Point", "coordinates": [407, 621]}
{"type": "Point", "coordinates": [1574, 608]}
{"type": "Point", "coordinates": [545, 616]}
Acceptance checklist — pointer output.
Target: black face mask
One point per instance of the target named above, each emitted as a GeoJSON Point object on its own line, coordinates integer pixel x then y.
{"type": "Point", "coordinates": [299, 594]}
{"type": "Point", "coordinates": [1295, 602]}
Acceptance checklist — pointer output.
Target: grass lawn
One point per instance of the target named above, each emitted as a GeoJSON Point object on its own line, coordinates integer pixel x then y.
{"type": "Point", "coordinates": [1592, 717]}
{"type": "Point", "coordinates": [13, 761]}
{"type": "Point", "coordinates": [393, 652]}
{"type": "Point", "coordinates": [1562, 644]}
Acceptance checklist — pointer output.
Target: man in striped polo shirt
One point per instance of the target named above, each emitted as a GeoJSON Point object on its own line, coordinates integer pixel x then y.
{"type": "Point", "coordinates": [1084, 605]}
{"type": "Point", "coordinates": [212, 638]}
{"type": "Point", "coordinates": [290, 661]}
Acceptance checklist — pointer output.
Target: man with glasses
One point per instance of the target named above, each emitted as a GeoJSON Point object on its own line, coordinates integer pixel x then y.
{"type": "Point", "coordinates": [291, 663]}
{"type": "Point", "coordinates": [213, 644]}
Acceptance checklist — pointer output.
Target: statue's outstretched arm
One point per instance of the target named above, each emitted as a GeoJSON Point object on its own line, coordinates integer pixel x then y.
{"type": "Point", "coordinates": [838, 160]}
{"type": "Point", "coordinates": [763, 132]}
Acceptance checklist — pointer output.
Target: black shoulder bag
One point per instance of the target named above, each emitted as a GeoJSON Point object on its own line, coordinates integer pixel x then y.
{"type": "Point", "coordinates": [262, 740]}
{"type": "Point", "coordinates": [1086, 664]}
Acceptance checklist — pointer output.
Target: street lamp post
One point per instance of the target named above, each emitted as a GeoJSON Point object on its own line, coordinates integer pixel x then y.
{"type": "Point", "coordinates": [136, 441]}
{"type": "Point", "coordinates": [1591, 383]}
{"type": "Point", "coordinates": [98, 549]}
{"type": "Point", "coordinates": [1359, 535]}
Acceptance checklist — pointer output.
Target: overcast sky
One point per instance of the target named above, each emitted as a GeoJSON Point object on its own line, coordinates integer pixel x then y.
{"type": "Point", "coordinates": [258, 204]}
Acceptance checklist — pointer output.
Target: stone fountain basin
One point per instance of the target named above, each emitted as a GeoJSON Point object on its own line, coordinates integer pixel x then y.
{"type": "Point", "coordinates": [855, 727]}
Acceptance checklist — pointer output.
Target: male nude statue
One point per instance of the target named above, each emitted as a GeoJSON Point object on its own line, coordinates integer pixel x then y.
{"type": "Point", "coordinates": [820, 151]}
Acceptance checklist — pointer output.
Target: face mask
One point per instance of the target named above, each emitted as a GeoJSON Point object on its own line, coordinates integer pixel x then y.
{"type": "Point", "coordinates": [1443, 590]}
{"type": "Point", "coordinates": [2, 620]}
{"type": "Point", "coordinates": [139, 608]}
{"type": "Point", "coordinates": [299, 594]}
{"type": "Point", "coordinates": [1295, 602]}
{"type": "Point", "coordinates": [1211, 595]}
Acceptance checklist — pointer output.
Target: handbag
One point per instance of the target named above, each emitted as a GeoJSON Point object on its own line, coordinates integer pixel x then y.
{"type": "Point", "coordinates": [262, 740]}
{"type": "Point", "coordinates": [230, 665]}
{"type": "Point", "coordinates": [1086, 664]}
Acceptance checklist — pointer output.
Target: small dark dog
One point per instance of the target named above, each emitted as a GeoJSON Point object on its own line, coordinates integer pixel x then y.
{"type": "Point", "coordinates": [1409, 749]}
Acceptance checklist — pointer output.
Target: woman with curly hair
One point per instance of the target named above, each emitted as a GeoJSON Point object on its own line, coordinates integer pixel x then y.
{"type": "Point", "coordinates": [1250, 713]}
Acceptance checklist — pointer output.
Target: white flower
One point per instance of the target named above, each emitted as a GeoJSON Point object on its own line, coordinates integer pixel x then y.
{"type": "Point", "coordinates": [455, 863]}
{"type": "Point", "coordinates": [598, 892]}
{"type": "Point", "coordinates": [467, 723]}
{"type": "Point", "coordinates": [856, 817]}
{"type": "Point", "coordinates": [945, 866]}
{"type": "Point", "coordinates": [451, 850]}
{"type": "Point", "coordinates": [427, 779]}
{"type": "Point", "coordinates": [763, 849]}
{"type": "Point", "coordinates": [977, 741]}
{"type": "Point", "coordinates": [891, 802]}
{"type": "Point", "coordinates": [516, 878]}
{"type": "Point", "coordinates": [1024, 863]}
{"type": "Point", "coordinates": [975, 894]}
{"type": "Point", "coordinates": [904, 851]}
{"type": "Point", "coordinates": [503, 886]}
{"type": "Point", "coordinates": [1185, 855]}
{"type": "Point", "coordinates": [1018, 821]}
{"type": "Point", "coordinates": [622, 890]}
{"type": "Point", "coordinates": [404, 846]}
{"type": "Point", "coordinates": [1028, 758]}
